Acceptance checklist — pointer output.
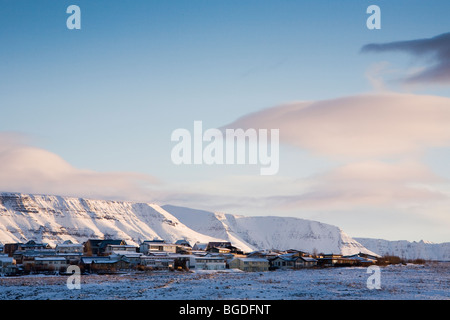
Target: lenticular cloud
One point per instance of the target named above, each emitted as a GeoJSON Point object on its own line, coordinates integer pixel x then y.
{"type": "Point", "coordinates": [362, 126]}
{"type": "Point", "coordinates": [34, 170]}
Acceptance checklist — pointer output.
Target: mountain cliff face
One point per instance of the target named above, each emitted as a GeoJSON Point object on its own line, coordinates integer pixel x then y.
{"type": "Point", "coordinates": [54, 219]}
{"type": "Point", "coordinates": [409, 250]}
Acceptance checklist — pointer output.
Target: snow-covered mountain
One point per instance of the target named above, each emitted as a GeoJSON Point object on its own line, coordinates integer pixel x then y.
{"type": "Point", "coordinates": [53, 219]}
{"type": "Point", "coordinates": [408, 250]}
{"type": "Point", "coordinates": [269, 232]}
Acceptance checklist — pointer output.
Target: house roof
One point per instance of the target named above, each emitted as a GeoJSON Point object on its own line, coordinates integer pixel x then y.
{"type": "Point", "coordinates": [221, 248]}
{"type": "Point", "coordinates": [101, 259]}
{"type": "Point", "coordinates": [200, 246]}
{"type": "Point", "coordinates": [158, 258]}
{"type": "Point", "coordinates": [154, 241]}
{"type": "Point", "coordinates": [36, 253]}
{"type": "Point", "coordinates": [219, 244]}
{"type": "Point", "coordinates": [121, 246]}
{"type": "Point", "coordinates": [128, 254]}
{"type": "Point", "coordinates": [361, 255]}
{"type": "Point", "coordinates": [89, 260]}
{"type": "Point", "coordinates": [293, 257]}
{"type": "Point", "coordinates": [32, 244]}
{"type": "Point", "coordinates": [102, 243]}
{"type": "Point", "coordinates": [165, 244]}
{"type": "Point", "coordinates": [253, 259]}
{"type": "Point", "coordinates": [68, 254]}
{"type": "Point", "coordinates": [210, 258]}
{"type": "Point", "coordinates": [158, 253]}
{"type": "Point", "coordinates": [69, 245]}
{"type": "Point", "coordinates": [287, 257]}
{"type": "Point", "coordinates": [182, 242]}
{"type": "Point", "coordinates": [49, 259]}
{"type": "Point", "coordinates": [94, 242]}
{"type": "Point", "coordinates": [308, 259]}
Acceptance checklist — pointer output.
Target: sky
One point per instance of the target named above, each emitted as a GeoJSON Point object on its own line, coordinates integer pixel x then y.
{"type": "Point", "coordinates": [363, 115]}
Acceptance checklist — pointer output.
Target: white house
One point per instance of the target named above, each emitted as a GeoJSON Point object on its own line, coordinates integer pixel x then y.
{"type": "Point", "coordinates": [149, 246]}
{"type": "Point", "coordinates": [111, 248]}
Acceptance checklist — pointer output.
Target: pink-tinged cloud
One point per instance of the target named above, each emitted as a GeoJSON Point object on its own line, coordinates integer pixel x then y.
{"type": "Point", "coordinates": [370, 184]}
{"type": "Point", "coordinates": [361, 126]}
{"type": "Point", "coordinates": [28, 169]}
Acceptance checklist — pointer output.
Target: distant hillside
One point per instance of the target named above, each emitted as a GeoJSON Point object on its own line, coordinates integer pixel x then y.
{"type": "Point", "coordinates": [408, 250]}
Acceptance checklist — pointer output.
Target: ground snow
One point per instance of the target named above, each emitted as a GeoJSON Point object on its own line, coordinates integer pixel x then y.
{"type": "Point", "coordinates": [410, 282]}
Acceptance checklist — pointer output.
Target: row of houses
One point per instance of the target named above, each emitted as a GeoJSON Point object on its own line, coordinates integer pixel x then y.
{"type": "Point", "coordinates": [115, 255]}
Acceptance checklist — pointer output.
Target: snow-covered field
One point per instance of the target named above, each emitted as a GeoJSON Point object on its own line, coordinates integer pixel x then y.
{"type": "Point", "coordinates": [431, 281]}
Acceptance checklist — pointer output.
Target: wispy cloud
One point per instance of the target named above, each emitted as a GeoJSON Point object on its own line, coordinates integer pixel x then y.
{"type": "Point", "coordinates": [434, 51]}
{"type": "Point", "coordinates": [370, 184]}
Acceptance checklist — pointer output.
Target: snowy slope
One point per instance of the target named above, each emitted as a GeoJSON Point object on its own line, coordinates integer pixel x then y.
{"type": "Point", "coordinates": [269, 232]}
{"type": "Point", "coordinates": [409, 250]}
{"type": "Point", "coordinates": [53, 219]}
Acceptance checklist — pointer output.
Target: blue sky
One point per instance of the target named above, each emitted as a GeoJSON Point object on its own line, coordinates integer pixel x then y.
{"type": "Point", "coordinates": [107, 97]}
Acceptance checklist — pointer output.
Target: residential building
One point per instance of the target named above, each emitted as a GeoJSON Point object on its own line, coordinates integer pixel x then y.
{"type": "Point", "coordinates": [308, 261]}
{"type": "Point", "coordinates": [57, 264]}
{"type": "Point", "coordinates": [183, 242]}
{"type": "Point", "coordinates": [104, 264]}
{"type": "Point", "coordinates": [97, 247]}
{"type": "Point", "coordinates": [27, 256]}
{"type": "Point", "coordinates": [292, 261]}
{"type": "Point", "coordinates": [266, 254]}
{"type": "Point", "coordinates": [210, 263]}
{"type": "Point", "coordinates": [336, 260]}
{"type": "Point", "coordinates": [10, 248]}
{"type": "Point", "coordinates": [157, 262]}
{"type": "Point", "coordinates": [219, 250]}
{"type": "Point", "coordinates": [7, 265]}
{"type": "Point", "coordinates": [199, 246]}
{"type": "Point", "coordinates": [221, 244]}
{"type": "Point", "coordinates": [250, 264]}
{"type": "Point", "coordinates": [362, 259]}
{"type": "Point", "coordinates": [72, 252]}
{"type": "Point", "coordinates": [133, 257]}
{"type": "Point", "coordinates": [111, 248]}
{"type": "Point", "coordinates": [69, 247]}
{"type": "Point", "coordinates": [149, 246]}
{"type": "Point", "coordinates": [33, 245]}
{"type": "Point", "coordinates": [283, 261]}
